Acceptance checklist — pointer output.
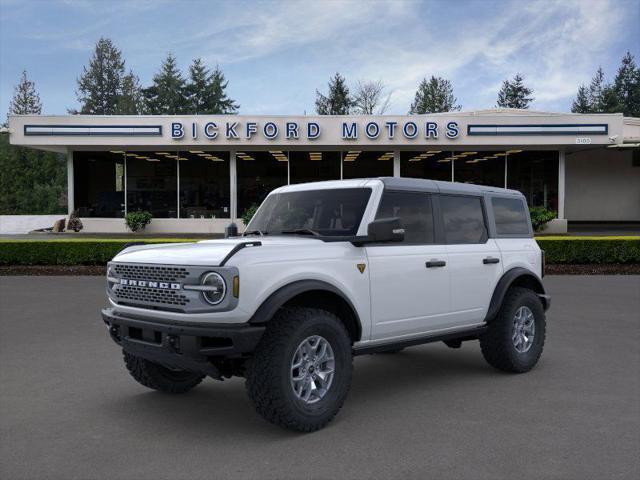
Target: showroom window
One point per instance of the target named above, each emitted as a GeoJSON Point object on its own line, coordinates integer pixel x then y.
{"type": "Point", "coordinates": [313, 166]}
{"type": "Point", "coordinates": [204, 184]}
{"type": "Point", "coordinates": [99, 184]}
{"type": "Point", "coordinates": [258, 173]}
{"type": "Point", "coordinates": [429, 163]}
{"type": "Point", "coordinates": [152, 183]}
{"type": "Point", "coordinates": [364, 164]}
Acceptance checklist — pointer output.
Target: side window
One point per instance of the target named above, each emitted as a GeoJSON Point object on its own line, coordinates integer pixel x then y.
{"type": "Point", "coordinates": [511, 216]}
{"type": "Point", "coordinates": [463, 219]}
{"type": "Point", "coordinates": [414, 211]}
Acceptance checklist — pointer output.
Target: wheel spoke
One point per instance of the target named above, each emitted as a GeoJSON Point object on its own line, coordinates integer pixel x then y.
{"type": "Point", "coordinates": [312, 369]}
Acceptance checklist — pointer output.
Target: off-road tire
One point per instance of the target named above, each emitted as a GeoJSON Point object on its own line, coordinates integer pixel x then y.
{"type": "Point", "coordinates": [157, 377]}
{"type": "Point", "coordinates": [268, 379]}
{"type": "Point", "coordinates": [496, 343]}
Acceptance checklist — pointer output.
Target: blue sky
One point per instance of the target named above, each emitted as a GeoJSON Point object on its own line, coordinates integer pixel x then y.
{"type": "Point", "coordinates": [275, 54]}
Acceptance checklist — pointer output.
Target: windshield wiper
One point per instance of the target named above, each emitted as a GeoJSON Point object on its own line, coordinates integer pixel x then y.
{"type": "Point", "coordinates": [302, 231]}
{"type": "Point", "coordinates": [254, 232]}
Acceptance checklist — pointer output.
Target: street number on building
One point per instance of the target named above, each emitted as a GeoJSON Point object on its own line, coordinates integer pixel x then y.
{"type": "Point", "coordinates": [583, 141]}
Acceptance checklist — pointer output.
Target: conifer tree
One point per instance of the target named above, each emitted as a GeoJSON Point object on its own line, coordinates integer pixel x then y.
{"type": "Point", "coordinates": [167, 94]}
{"type": "Point", "coordinates": [338, 100]}
{"type": "Point", "coordinates": [25, 99]}
{"type": "Point", "coordinates": [100, 85]}
{"type": "Point", "coordinates": [434, 95]}
{"type": "Point", "coordinates": [581, 104]}
{"type": "Point", "coordinates": [627, 86]}
{"type": "Point", "coordinates": [206, 92]}
{"type": "Point", "coordinates": [130, 101]}
{"type": "Point", "coordinates": [514, 94]}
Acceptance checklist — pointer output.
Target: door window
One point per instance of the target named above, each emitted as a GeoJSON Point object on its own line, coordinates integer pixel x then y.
{"type": "Point", "coordinates": [463, 219]}
{"type": "Point", "coordinates": [415, 213]}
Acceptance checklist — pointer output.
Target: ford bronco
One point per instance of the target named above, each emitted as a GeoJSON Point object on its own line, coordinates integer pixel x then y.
{"type": "Point", "coordinates": [325, 271]}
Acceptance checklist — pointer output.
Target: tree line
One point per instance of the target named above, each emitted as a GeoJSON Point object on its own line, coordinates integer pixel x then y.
{"type": "Point", "coordinates": [33, 181]}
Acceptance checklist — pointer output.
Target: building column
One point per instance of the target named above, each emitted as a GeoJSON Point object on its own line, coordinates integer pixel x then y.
{"type": "Point", "coordinates": [70, 183]}
{"type": "Point", "coordinates": [233, 186]}
{"type": "Point", "coordinates": [396, 163]}
{"type": "Point", "coordinates": [561, 178]}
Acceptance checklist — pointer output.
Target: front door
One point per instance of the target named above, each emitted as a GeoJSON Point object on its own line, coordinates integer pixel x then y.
{"type": "Point", "coordinates": [410, 285]}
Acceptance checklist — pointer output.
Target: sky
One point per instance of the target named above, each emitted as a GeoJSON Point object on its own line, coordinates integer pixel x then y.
{"type": "Point", "coordinates": [275, 54]}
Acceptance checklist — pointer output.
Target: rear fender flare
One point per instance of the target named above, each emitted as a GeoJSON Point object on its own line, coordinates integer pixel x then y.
{"type": "Point", "coordinates": [515, 276]}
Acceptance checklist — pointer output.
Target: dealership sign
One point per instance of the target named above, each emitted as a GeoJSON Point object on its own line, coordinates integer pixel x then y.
{"type": "Point", "coordinates": [292, 130]}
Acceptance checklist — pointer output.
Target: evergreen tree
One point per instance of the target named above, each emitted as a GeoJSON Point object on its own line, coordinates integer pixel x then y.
{"type": "Point", "coordinates": [433, 96]}
{"type": "Point", "coordinates": [100, 85]}
{"type": "Point", "coordinates": [25, 99]}
{"type": "Point", "coordinates": [596, 91]}
{"type": "Point", "coordinates": [514, 94]}
{"type": "Point", "coordinates": [218, 101]}
{"type": "Point", "coordinates": [167, 95]}
{"type": "Point", "coordinates": [206, 91]}
{"type": "Point", "coordinates": [338, 101]}
{"type": "Point", "coordinates": [130, 101]}
{"type": "Point", "coordinates": [581, 104]}
{"type": "Point", "coordinates": [627, 86]}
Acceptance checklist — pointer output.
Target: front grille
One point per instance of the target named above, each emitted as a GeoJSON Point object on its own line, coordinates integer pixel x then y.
{"type": "Point", "coordinates": [145, 296]}
{"type": "Point", "coordinates": [151, 272]}
{"type": "Point", "coordinates": [133, 295]}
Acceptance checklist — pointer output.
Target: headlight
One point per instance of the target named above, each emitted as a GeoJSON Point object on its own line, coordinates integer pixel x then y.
{"type": "Point", "coordinates": [215, 288]}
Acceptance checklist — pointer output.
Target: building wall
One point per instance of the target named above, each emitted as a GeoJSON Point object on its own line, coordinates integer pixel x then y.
{"type": "Point", "coordinates": [602, 186]}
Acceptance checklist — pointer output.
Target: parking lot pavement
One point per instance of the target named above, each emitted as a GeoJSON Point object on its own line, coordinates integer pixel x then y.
{"type": "Point", "coordinates": [68, 408]}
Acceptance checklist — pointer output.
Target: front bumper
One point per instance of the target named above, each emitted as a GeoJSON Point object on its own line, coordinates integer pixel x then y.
{"type": "Point", "coordinates": [188, 347]}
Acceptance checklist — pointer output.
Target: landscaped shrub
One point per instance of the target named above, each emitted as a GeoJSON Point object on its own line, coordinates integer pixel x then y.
{"type": "Point", "coordinates": [590, 250]}
{"type": "Point", "coordinates": [74, 251]}
{"type": "Point", "coordinates": [66, 252]}
{"type": "Point", "coordinates": [137, 220]}
{"type": "Point", "coordinates": [249, 213]}
{"type": "Point", "coordinates": [540, 216]}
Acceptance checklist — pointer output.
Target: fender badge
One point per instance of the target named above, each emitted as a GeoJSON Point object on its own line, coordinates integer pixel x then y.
{"type": "Point", "coordinates": [361, 267]}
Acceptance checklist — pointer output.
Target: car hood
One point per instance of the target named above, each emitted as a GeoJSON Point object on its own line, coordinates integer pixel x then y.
{"type": "Point", "coordinates": [207, 252]}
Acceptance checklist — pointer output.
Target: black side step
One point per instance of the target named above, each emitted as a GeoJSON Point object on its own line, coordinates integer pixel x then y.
{"type": "Point", "coordinates": [462, 335]}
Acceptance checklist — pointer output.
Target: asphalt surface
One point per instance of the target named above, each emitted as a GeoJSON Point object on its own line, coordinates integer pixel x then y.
{"type": "Point", "coordinates": [69, 410]}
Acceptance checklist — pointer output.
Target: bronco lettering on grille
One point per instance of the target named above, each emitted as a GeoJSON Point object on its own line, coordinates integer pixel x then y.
{"type": "Point", "coordinates": [150, 284]}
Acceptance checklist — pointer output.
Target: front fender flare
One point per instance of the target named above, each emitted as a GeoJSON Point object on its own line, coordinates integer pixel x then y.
{"type": "Point", "coordinates": [277, 299]}
{"type": "Point", "coordinates": [519, 274]}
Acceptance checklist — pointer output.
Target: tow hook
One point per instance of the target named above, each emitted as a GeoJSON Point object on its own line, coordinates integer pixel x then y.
{"type": "Point", "coordinates": [174, 343]}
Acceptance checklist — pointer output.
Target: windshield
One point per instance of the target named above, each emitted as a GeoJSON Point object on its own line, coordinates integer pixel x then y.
{"type": "Point", "coordinates": [335, 212]}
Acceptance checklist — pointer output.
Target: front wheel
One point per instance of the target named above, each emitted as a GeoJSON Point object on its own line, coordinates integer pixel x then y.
{"type": "Point", "coordinates": [515, 338]}
{"type": "Point", "coordinates": [301, 370]}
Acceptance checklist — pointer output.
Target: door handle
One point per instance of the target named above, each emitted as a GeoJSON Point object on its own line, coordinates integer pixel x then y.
{"type": "Point", "coordinates": [436, 263]}
{"type": "Point", "coordinates": [490, 260]}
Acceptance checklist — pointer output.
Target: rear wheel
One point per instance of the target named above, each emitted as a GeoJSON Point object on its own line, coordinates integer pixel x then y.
{"type": "Point", "coordinates": [301, 370]}
{"type": "Point", "coordinates": [157, 377]}
{"type": "Point", "coordinates": [514, 339]}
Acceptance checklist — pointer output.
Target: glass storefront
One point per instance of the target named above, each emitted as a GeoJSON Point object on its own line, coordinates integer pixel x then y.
{"type": "Point", "coordinates": [258, 173]}
{"type": "Point", "coordinates": [99, 184]}
{"type": "Point", "coordinates": [366, 164]}
{"type": "Point", "coordinates": [432, 164]}
{"type": "Point", "coordinates": [196, 184]}
{"type": "Point", "coordinates": [480, 168]}
{"type": "Point", "coordinates": [204, 184]}
{"type": "Point", "coordinates": [535, 174]}
{"type": "Point", "coordinates": [314, 166]}
{"type": "Point", "coordinates": [152, 184]}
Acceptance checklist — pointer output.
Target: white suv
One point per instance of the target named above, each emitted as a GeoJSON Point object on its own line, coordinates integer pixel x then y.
{"type": "Point", "coordinates": [326, 271]}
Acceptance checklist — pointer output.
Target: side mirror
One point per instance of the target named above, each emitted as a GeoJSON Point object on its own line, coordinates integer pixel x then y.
{"type": "Point", "coordinates": [385, 230]}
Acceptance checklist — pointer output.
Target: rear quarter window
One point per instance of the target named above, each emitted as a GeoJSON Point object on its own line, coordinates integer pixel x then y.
{"type": "Point", "coordinates": [510, 216]}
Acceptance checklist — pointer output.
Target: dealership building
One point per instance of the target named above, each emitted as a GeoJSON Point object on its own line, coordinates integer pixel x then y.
{"type": "Point", "coordinates": [197, 173]}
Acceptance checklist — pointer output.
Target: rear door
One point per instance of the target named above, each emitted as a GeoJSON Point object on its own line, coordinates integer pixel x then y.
{"type": "Point", "coordinates": [474, 258]}
{"type": "Point", "coordinates": [409, 280]}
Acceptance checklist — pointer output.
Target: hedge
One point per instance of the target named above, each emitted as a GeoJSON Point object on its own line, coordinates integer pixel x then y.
{"type": "Point", "coordinates": [78, 251]}
{"type": "Point", "coordinates": [68, 252]}
{"type": "Point", "coordinates": [590, 250]}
